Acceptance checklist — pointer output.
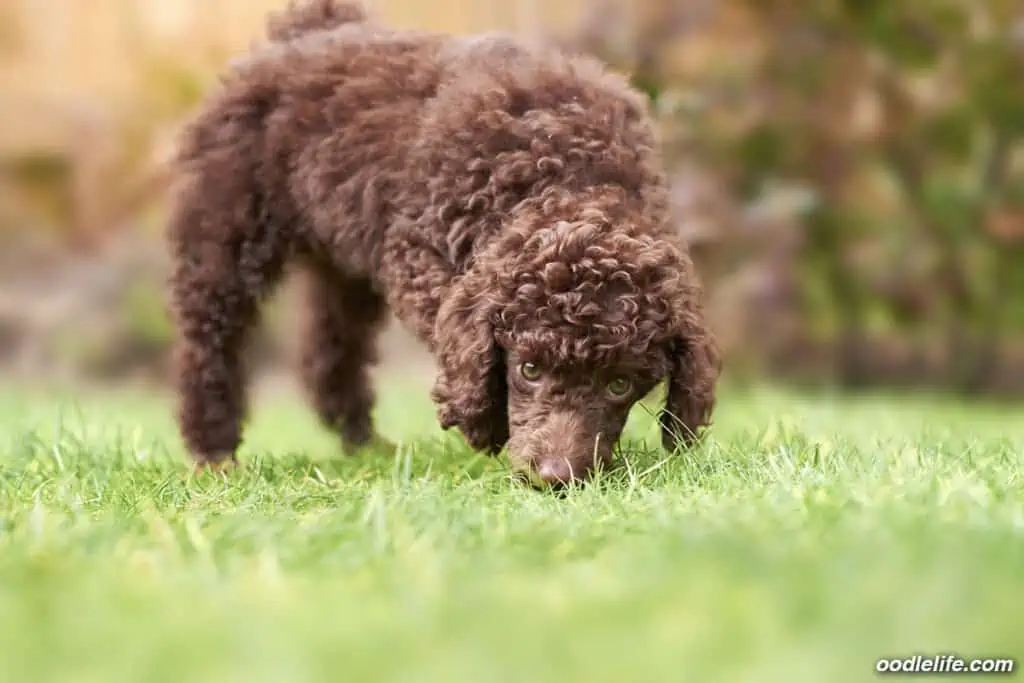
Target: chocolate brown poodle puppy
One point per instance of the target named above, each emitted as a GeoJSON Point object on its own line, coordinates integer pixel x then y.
{"type": "Point", "coordinates": [502, 199]}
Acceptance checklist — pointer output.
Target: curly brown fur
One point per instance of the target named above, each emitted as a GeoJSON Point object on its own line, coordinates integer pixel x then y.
{"type": "Point", "coordinates": [300, 18]}
{"type": "Point", "coordinates": [503, 200]}
{"type": "Point", "coordinates": [337, 350]}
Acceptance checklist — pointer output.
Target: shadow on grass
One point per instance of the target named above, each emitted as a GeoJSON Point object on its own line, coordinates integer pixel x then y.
{"type": "Point", "coordinates": [428, 459]}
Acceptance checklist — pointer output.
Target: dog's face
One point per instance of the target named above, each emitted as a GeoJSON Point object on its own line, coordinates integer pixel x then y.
{"type": "Point", "coordinates": [564, 417]}
{"type": "Point", "coordinates": [555, 332]}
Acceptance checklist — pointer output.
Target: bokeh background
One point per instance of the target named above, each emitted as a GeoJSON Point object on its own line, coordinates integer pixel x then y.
{"type": "Point", "coordinates": [850, 174]}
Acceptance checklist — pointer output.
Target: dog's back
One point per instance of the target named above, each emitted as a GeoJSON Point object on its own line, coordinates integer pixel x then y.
{"type": "Point", "coordinates": [341, 124]}
{"type": "Point", "coordinates": [302, 18]}
{"type": "Point", "coordinates": [320, 117]}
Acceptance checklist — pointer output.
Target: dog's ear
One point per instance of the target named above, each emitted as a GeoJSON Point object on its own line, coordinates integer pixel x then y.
{"type": "Point", "coordinates": [471, 390]}
{"type": "Point", "coordinates": [694, 367]}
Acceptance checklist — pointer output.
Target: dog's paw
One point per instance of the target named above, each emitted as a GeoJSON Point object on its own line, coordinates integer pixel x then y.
{"type": "Point", "coordinates": [222, 464]}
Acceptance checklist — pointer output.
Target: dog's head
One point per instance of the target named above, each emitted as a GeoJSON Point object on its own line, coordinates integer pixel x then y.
{"type": "Point", "coordinates": [556, 331]}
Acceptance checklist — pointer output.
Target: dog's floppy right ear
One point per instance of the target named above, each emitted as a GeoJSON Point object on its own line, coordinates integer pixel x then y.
{"type": "Point", "coordinates": [695, 363]}
{"type": "Point", "coordinates": [471, 391]}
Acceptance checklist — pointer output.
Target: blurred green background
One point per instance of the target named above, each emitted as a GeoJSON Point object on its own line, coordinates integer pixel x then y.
{"type": "Point", "coordinates": [849, 172]}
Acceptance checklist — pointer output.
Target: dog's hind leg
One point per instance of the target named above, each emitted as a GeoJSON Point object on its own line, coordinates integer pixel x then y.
{"type": "Point", "coordinates": [227, 256]}
{"type": "Point", "coordinates": [343, 318]}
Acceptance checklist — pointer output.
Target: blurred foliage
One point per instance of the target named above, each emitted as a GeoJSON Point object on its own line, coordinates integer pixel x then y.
{"type": "Point", "coordinates": [145, 312]}
{"type": "Point", "coordinates": [904, 122]}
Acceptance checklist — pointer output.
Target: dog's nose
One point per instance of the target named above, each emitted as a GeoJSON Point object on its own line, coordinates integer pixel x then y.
{"type": "Point", "coordinates": [558, 471]}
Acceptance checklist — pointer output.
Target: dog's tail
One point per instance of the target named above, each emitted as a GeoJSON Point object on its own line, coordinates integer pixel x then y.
{"type": "Point", "coordinates": [305, 16]}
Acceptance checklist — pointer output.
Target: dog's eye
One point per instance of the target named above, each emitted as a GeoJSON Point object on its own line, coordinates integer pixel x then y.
{"type": "Point", "coordinates": [530, 372]}
{"type": "Point", "coordinates": [620, 386]}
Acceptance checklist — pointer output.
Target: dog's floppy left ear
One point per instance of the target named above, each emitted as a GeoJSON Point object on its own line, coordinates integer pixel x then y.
{"type": "Point", "coordinates": [694, 367]}
{"type": "Point", "coordinates": [470, 389]}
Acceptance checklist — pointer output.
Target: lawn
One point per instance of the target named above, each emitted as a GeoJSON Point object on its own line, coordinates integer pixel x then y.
{"type": "Point", "coordinates": [806, 538]}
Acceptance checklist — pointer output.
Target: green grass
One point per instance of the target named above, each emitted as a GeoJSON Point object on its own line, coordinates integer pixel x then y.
{"type": "Point", "coordinates": [808, 537]}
